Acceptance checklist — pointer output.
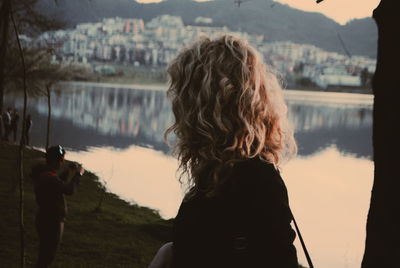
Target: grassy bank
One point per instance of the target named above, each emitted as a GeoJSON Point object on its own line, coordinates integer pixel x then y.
{"type": "Point", "coordinates": [123, 74]}
{"type": "Point", "coordinates": [123, 79]}
{"type": "Point", "coordinates": [120, 235]}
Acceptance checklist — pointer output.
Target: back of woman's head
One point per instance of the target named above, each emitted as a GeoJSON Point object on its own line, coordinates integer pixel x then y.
{"type": "Point", "coordinates": [228, 107]}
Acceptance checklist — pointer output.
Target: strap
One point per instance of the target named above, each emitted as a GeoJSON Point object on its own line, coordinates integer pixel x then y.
{"type": "Point", "coordinates": [303, 245]}
{"type": "Point", "coordinates": [240, 239]}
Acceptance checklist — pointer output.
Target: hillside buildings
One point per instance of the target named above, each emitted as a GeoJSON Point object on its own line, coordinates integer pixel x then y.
{"type": "Point", "coordinates": [155, 43]}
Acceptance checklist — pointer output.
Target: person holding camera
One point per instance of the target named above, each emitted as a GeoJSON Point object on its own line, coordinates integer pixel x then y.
{"type": "Point", "coordinates": [50, 189]}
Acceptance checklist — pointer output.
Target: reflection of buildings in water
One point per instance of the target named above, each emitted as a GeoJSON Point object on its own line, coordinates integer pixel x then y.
{"type": "Point", "coordinates": [126, 111]}
{"type": "Point", "coordinates": [114, 111]}
{"type": "Point", "coordinates": [320, 125]}
{"type": "Point", "coordinates": [119, 117]}
{"type": "Point", "coordinates": [305, 117]}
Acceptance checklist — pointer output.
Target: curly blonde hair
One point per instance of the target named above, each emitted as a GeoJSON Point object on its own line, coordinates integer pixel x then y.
{"type": "Point", "coordinates": [228, 106]}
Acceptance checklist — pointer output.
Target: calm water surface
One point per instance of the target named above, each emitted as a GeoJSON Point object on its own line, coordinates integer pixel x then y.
{"type": "Point", "coordinates": [117, 132]}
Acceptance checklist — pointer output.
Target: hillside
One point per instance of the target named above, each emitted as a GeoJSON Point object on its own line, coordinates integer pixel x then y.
{"type": "Point", "coordinates": [120, 235]}
{"type": "Point", "coordinates": [276, 21]}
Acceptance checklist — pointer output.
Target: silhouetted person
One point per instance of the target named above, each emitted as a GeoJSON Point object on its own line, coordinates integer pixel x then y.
{"type": "Point", "coordinates": [52, 208]}
{"type": "Point", "coordinates": [14, 124]}
{"type": "Point", "coordinates": [232, 136]}
{"type": "Point", "coordinates": [7, 124]}
{"type": "Point", "coordinates": [28, 127]}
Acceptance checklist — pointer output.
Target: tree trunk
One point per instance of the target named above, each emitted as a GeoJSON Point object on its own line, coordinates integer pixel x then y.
{"type": "Point", "coordinates": [5, 11]}
{"type": "Point", "coordinates": [382, 248]}
{"type": "Point", "coordinates": [48, 90]}
{"type": "Point", "coordinates": [21, 150]}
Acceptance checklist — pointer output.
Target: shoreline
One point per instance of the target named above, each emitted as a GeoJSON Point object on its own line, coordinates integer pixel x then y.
{"type": "Point", "coordinates": [163, 87]}
{"type": "Point", "coordinates": [158, 87]}
{"type": "Point", "coordinates": [133, 232]}
{"type": "Point", "coordinates": [290, 94]}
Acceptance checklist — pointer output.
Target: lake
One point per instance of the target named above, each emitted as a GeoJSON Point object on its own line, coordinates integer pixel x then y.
{"type": "Point", "coordinates": [116, 131]}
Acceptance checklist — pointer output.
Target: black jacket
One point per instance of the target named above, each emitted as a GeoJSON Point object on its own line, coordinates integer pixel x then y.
{"type": "Point", "coordinates": [247, 224]}
{"type": "Point", "coordinates": [49, 190]}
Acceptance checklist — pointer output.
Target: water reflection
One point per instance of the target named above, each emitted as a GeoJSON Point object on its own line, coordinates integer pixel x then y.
{"type": "Point", "coordinates": [140, 175]}
{"type": "Point", "coordinates": [318, 126]}
{"type": "Point", "coordinates": [329, 194]}
{"type": "Point", "coordinates": [95, 116]}
{"type": "Point", "coordinates": [329, 183]}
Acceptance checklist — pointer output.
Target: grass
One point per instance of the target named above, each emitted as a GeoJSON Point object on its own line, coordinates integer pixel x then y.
{"type": "Point", "coordinates": [125, 74]}
{"type": "Point", "coordinates": [120, 235]}
{"type": "Point", "coordinates": [127, 80]}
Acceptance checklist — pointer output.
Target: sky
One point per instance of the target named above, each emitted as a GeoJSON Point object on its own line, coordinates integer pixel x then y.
{"type": "Point", "coordinates": [340, 10]}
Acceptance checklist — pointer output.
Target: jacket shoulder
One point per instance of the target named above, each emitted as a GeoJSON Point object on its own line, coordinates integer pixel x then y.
{"type": "Point", "coordinates": [256, 172]}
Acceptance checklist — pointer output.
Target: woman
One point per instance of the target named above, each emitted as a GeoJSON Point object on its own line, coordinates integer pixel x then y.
{"type": "Point", "coordinates": [232, 136]}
